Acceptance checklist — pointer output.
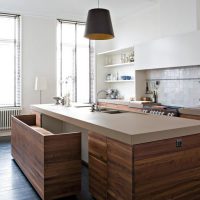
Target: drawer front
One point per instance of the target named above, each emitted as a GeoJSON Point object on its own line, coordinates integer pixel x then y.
{"type": "Point", "coordinates": [97, 146]}
{"type": "Point", "coordinates": [97, 178]}
{"type": "Point", "coordinates": [152, 149]}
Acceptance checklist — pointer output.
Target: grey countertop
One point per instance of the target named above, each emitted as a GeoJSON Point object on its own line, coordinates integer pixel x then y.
{"type": "Point", "coordinates": [130, 128]}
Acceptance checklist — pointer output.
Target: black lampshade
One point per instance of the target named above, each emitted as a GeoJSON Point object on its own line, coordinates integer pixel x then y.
{"type": "Point", "coordinates": [99, 25]}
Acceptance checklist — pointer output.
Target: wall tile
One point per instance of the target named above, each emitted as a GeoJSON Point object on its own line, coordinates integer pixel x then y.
{"type": "Point", "coordinates": [177, 92]}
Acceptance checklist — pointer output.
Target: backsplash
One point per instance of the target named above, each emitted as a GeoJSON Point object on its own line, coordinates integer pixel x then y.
{"type": "Point", "coordinates": [177, 86]}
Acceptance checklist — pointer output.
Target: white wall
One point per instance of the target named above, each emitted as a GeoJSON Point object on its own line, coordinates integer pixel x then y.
{"type": "Point", "coordinates": [177, 17]}
{"type": "Point", "coordinates": [137, 28]}
{"type": "Point", "coordinates": [39, 58]}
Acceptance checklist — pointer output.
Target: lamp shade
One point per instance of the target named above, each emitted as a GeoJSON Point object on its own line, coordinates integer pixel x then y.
{"type": "Point", "coordinates": [99, 25]}
{"type": "Point", "coordinates": [40, 83]}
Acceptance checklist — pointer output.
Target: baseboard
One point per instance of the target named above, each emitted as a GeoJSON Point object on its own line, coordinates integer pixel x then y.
{"type": "Point", "coordinates": [5, 138]}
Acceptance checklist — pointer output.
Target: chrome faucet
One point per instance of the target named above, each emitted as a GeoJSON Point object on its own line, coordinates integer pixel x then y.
{"type": "Point", "coordinates": [95, 106]}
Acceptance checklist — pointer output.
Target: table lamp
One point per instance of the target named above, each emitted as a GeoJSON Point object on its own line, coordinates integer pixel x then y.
{"type": "Point", "coordinates": [40, 85]}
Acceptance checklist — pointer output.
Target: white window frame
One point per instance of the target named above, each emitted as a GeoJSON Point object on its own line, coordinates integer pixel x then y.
{"type": "Point", "coordinates": [59, 63]}
{"type": "Point", "coordinates": [17, 56]}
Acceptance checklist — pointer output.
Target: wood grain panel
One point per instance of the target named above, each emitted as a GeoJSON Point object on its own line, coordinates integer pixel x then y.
{"type": "Point", "coordinates": [163, 171]}
{"type": "Point", "coordinates": [38, 118]}
{"type": "Point", "coordinates": [52, 163]}
{"type": "Point", "coordinates": [120, 170]}
{"type": "Point", "coordinates": [62, 169]}
{"type": "Point", "coordinates": [167, 146]}
{"type": "Point", "coordinates": [97, 178]}
{"type": "Point", "coordinates": [97, 146]}
{"type": "Point", "coordinates": [197, 117]}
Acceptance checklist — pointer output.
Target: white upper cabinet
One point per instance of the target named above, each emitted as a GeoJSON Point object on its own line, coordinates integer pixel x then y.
{"type": "Point", "coordinates": [176, 51]}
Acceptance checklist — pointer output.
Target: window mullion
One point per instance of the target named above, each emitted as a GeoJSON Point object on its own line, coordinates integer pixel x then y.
{"type": "Point", "coordinates": [75, 63]}
{"type": "Point", "coordinates": [15, 65]}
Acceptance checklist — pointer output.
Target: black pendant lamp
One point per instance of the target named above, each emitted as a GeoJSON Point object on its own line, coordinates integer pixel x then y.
{"type": "Point", "coordinates": [99, 25]}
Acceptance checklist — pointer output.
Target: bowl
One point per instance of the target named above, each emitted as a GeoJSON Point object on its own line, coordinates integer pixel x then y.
{"type": "Point", "coordinates": [128, 77]}
{"type": "Point", "coordinates": [123, 77]}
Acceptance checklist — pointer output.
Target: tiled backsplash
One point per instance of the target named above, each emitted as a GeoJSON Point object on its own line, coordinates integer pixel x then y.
{"type": "Point", "coordinates": [177, 86]}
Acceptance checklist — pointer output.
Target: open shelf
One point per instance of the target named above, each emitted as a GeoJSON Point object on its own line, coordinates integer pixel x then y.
{"type": "Point", "coordinates": [116, 51]}
{"type": "Point", "coordinates": [120, 65]}
{"type": "Point", "coordinates": [119, 81]}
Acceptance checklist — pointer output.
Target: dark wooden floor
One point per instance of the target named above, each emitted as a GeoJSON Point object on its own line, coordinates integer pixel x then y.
{"type": "Point", "coordinates": [15, 186]}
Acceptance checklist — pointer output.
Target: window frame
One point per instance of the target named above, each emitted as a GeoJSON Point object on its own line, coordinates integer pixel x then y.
{"type": "Point", "coordinates": [17, 101]}
{"type": "Point", "coordinates": [59, 61]}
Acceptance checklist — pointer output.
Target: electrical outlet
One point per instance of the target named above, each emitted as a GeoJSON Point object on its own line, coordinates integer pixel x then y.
{"type": "Point", "coordinates": [179, 143]}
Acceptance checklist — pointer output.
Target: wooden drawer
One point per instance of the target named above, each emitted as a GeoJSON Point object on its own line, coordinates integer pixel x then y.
{"type": "Point", "coordinates": [120, 170]}
{"type": "Point", "coordinates": [167, 146]}
{"type": "Point", "coordinates": [97, 178]}
{"type": "Point", "coordinates": [164, 171]}
{"type": "Point", "coordinates": [97, 146]}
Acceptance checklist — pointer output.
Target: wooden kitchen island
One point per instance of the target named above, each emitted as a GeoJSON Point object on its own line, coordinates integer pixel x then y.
{"type": "Point", "coordinates": [135, 156]}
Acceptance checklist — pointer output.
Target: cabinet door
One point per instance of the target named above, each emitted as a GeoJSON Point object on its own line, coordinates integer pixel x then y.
{"type": "Point", "coordinates": [97, 178]}
{"type": "Point", "coordinates": [168, 169]}
{"type": "Point", "coordinates": [97, 146]}
{"type": "Point", "coordinates": [120, 170]}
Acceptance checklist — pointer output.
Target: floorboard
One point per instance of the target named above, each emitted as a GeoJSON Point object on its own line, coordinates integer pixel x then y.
{"type": "Point", "coordinates": [15, 186]}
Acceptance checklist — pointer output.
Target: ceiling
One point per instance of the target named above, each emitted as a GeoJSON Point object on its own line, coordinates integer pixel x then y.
{"type": "Point", "coordinates": [73, 9]}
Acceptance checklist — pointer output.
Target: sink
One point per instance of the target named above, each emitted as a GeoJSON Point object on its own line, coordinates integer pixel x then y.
{"type": "Point", "coordinates": [111, 111]}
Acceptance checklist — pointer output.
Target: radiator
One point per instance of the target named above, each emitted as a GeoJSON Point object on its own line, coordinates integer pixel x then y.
{"type": "Point", "coordinates": [5, 117]}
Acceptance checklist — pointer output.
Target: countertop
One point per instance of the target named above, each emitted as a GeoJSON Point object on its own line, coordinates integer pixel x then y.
{"type": "Point", "coordinates": [131, 128]}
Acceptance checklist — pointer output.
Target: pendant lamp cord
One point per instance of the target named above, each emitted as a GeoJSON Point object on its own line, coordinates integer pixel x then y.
{"type": "Point", "coordinates": [98, 3]}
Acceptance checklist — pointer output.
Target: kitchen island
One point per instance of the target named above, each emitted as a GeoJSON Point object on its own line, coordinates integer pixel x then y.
{"type": "Point", "coordinates": [136, 156]}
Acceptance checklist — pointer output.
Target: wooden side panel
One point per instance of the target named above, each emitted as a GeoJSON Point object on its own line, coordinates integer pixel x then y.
{"type": "Point", "coordinates": [190, 116]}
{"type": "Point", "coordinates": [28, 119]}
{"type": "Point", "coordinates": [52, 163]}
{"type": "Point", "coordinates": [120, 170]}
{"type": "Point", "coordinates": [164, 171]}
{"type": "Point", "coordinates": [62, 169]}
{"type": "Point", "coordinates": [28, 152]}
{"type": "Point", "coordinates": [97, 178]}
{"type": "Point", "coordinates": [97, 146]}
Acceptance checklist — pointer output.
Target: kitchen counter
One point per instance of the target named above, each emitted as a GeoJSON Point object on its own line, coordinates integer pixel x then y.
{"type": "Point", "coordinates": [129, 128]}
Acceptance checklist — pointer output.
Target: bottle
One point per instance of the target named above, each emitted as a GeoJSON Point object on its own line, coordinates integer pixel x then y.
{"type": "Point", "coordinates": [154, 97]}
{"type": "Point", "coordinates": [147, 88]}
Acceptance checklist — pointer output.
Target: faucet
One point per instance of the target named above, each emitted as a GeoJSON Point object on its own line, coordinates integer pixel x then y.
{"type": "Point", "coordinates": [95, 106]}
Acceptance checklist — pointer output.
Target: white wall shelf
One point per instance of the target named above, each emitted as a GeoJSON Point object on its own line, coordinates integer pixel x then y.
{"type": "Point", "coordinates": [116, 63]}
{"type": "Point", "coordinates": [119, 81]}
{"type": "Point", "coordinates": [116, 51]}
{"type": "Point", "coordinates": [120, 65]}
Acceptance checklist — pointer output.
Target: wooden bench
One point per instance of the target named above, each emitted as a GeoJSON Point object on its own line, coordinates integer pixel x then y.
{"type": "Point", "coordinates": [51, 162]}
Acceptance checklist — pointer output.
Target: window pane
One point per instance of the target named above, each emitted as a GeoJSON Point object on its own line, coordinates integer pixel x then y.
{"type": "Point", "coordinates": [68, 33]}
{"type": "Point", "coordinates": [7, 25]}
{"type": "Point", "coordinates": [68, 59]}
{"type": "Point", "coordinates": [7, 74]}
{"type": "Point", "coordinates": [73, 66]}
{"type": "Point", "coordinates": [83, 71]}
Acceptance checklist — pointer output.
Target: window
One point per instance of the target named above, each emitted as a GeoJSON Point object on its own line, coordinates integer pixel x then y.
{"type": "Point", "coordinates": [10, 79]}
{"type": "Point", "coordinates": [75, 67]}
